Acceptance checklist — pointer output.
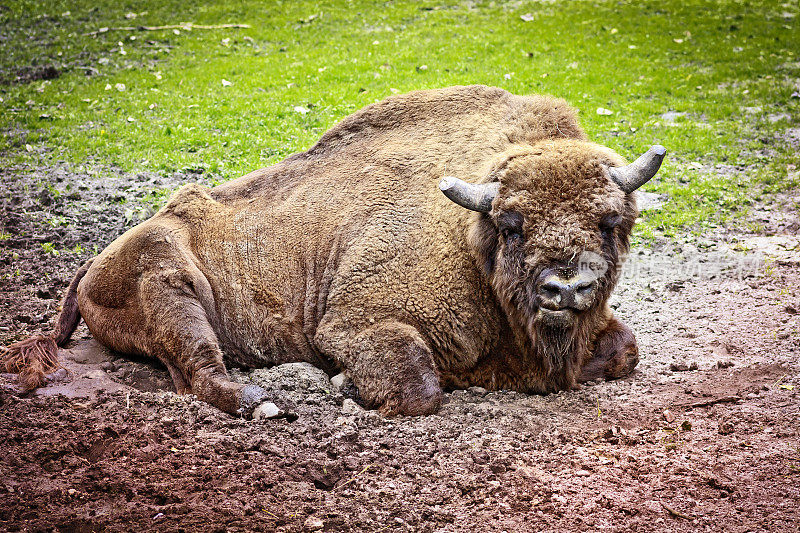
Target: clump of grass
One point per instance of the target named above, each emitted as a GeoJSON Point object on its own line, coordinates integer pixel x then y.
{"type": "Point", "coordinates": [49, 248]}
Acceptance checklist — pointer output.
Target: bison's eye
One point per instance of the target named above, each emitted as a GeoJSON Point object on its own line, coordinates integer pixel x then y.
{"type": "Point", "coordinates": [510, 235]}
{"type": "Point", "coordinates": [609, 222]}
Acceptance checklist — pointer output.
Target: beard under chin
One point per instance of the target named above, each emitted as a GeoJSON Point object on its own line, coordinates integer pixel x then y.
{"type": "Point", "coordinates": [555, 342]}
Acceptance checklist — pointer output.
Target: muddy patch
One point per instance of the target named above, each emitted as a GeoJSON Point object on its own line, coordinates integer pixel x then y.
{"type": "Point", "coordinates": [703, 436]}
{"type": "Point", "coordinates": [37, 73]}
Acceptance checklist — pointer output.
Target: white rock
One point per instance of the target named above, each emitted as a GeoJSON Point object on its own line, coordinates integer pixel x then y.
{"type": "Point", "coordinates": [338, 381]}
{"type": "Point", "coordinates": [266, 410]}
{"type": "Point", "coordinates": [349, 407]}
{"type": "Point", "coordinates": [313, 524]}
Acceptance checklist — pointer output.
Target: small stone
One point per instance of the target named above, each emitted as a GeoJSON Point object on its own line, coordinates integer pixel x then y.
{"type": "Point", "coordinates": [338, 381]}
{"type": "Point", "coordinates": [726, 427]}
{"type": "Point", "coordinates": [96, 374]}
{"type": "Point", "coordinates": [477, 390]}
{"type": "Point", "coordinates": [668, 416]}
{"type": "Point", "coordinates": [313, 523]}
{"type": "Point", "coordinates": [60, 374]}
{"type": "Point", "coordinates": [266, 410]}
{"type": "Point", "coordinates": [583, 473]}
{"type": "Point", "coordinates": [349, 407]}
{"type": "Point", "coordinates": [682, 367]}
{"type": "Point", "coordinates": [71, 491]}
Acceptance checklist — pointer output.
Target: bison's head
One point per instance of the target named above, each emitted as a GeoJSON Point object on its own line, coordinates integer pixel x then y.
{"type": "Point", "coordinates": [553, 222]}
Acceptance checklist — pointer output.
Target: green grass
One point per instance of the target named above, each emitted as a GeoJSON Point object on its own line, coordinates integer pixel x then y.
{"type": "Point", "coordinates": [709, 60]}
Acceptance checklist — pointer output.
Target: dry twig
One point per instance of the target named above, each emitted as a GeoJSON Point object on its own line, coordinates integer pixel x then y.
{"type": "Point", "coordinates": [675, 513]}
{"type": "Point", "coordinates": [713, 401]}
{"type": "Point", "coordinates": [353, 478]}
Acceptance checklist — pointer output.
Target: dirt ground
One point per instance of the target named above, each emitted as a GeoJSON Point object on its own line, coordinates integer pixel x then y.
{"type": "Point", "coordinates": [702, 437]}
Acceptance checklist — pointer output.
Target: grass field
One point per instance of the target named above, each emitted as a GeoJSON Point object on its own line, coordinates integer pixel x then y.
{"type": "Point", "coordinates": [717, 83]}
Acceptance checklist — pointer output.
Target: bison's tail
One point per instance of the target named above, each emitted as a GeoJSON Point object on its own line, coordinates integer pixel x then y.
{"type": "Point", "coordinates": [33, 358]}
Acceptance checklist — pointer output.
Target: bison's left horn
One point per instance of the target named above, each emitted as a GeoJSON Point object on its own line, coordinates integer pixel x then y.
{"type": "Point", "coordinates": [475, 196]}
{"type": "Point", "coordinates": [631, 177]}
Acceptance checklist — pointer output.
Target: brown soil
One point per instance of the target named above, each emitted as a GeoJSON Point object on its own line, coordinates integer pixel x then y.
{"type": "Point", "coordinates": [703, 436]}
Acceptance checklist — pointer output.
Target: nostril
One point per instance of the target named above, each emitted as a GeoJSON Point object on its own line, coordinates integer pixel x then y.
{"type": "Point", "coordinates": [550, 289]}
{"type": "Point", "coordinates": [584, 288]}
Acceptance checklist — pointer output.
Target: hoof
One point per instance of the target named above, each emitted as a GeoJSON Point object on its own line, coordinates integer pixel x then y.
{"type": "Point", "coordinates": [416, 400]}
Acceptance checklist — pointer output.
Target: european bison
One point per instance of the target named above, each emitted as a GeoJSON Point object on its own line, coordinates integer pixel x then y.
{"type": "Point", "coordinates": [349, 257]}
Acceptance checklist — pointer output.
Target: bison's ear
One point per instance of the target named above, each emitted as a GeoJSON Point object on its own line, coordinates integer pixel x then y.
{"type": "Point", "coordinates": [631, 177]}
{"type": "Point", "coordinates": [474, 196]}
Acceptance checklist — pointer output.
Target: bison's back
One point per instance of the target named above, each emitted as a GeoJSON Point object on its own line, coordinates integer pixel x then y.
{"type": "Point", "coordinates": [418, 137]}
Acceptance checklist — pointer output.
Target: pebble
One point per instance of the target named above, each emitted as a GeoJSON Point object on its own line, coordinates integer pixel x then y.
{"type": "Point", "coordinates": [313, 523]}
{"type": "Point", "coordinates": [96, 374]}
{"type": "Point", "coordinates": [338, 381]}
{"type": "Point", "coordinates": [266, 410]}
{"type": "Point", "coordinates": [583, 473]}
{"type": "Point", "coordinates": [349, 407]}
{"type": "Point", "coordinates": [668, 416]}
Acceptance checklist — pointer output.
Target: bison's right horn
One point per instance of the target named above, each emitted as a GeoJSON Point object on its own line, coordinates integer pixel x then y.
{"type": "Point", "coordinates": [474, 196]}
{"type": "Point", "coordinates": [631, 177]}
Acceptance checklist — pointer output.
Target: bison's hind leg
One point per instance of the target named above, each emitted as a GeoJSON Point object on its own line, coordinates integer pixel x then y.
{"type": "Point", "coordinates": [615, 353]}
{"type": "Point", "coordinates": [165, 315]}
{"type": "Point", "coordinates": [181, 335]}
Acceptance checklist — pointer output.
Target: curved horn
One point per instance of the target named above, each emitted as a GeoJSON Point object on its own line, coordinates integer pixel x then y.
{"type": "Point", "coordinates": [474, 196]}
{"type": "Point", "coordinates": [631, 177]}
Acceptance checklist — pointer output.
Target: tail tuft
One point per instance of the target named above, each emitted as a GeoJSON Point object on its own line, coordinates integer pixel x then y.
{"type": "Point", "coordinates": [36, 357]}
{"type": "Point", "coordinates": [32, 359]}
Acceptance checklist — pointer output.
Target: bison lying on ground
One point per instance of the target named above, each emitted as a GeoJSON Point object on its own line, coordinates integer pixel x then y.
{"type": "Point", "coordinates": [349, 257]}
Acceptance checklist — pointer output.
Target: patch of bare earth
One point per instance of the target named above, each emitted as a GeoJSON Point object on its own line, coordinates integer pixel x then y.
{"type": "Point", "coordinates": [703, 436]}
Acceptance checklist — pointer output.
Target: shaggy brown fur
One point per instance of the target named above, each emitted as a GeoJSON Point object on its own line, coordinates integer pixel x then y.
{"type": "Point", "coordinates": [348, 256]}
{"type": "Point", "coordinates": [32, 359]}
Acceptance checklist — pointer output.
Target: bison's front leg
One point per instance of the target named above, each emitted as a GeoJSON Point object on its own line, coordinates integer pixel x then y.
{"type": "Point", "coordinates": [389, 362]}
{"type": "Point", "coordinates": [615, 353]}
